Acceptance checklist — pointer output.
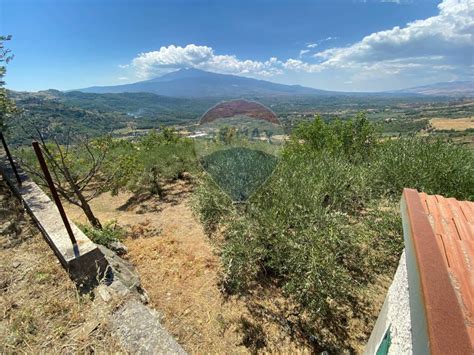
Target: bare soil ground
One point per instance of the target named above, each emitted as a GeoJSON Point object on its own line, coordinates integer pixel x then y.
{"type": "Point", "coordinates": [40, 308]}
{"type": "Point", "coordinates": [457, 124]}
{"type": "Point", "coordinates": [179, 268]}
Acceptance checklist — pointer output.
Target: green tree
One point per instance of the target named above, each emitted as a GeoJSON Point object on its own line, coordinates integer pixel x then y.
{"type": "Point", "coordinates": [7, 106]}
{"type": "Point", "coordinates": [144, 166]}
{"type": "Point", "coordinates": [76, 167]}
{"type": "Point", "coordinates": [354, 138]}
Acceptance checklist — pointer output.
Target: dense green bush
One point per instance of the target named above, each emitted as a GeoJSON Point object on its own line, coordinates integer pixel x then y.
{"type": "Point", "coordinates": [427, 164]}
{"type": "Point", "coordinates": [211, 204]}
{"type": "Point", "coordinates": [354, 139]}
{"type": "Point", "coordinates": [327, 222]}
{"type": "Point", "coordinates": [239, 171]}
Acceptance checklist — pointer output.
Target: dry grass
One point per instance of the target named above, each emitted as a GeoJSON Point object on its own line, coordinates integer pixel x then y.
{"type": "Point", "coordinates": [456, 124]}
{"type": "Point", "coordinates": [40, 308]}
{"type": "Point", "coordinates": [179, 267]}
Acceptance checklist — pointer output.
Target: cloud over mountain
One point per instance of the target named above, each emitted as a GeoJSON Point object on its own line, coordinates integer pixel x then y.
{"type": "Point", "coordinates": [202, 57]}
{"type": "Point", "coordinates": [440, 47]}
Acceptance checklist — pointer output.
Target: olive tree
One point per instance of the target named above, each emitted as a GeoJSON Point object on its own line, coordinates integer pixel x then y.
{"type": "Point", "coordinates": [76, 167]}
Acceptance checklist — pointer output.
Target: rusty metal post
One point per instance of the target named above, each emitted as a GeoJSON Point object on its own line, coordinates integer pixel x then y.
{"type": "Point", "coordinates": [12, 163]}
{"type": "Point", "coordinates": [54, 193]}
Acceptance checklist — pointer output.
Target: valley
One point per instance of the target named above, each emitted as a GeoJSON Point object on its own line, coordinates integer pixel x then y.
{"type": "Point", "coordinates": [129, 113]}
{"type": "Point", "coordinates": [237, 177]}
{"type": "Point", "coordinates": [264, 223]}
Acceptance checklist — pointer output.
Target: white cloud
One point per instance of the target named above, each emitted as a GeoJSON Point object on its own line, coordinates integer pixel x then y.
{"type": "Point", "coordinates": [303, 52]}
{"type": "Point", "coordinates": [202, 57]}
{"type": "Point", "coordinates": [299, 65]}
{"type": "Point", "coordinates": [123, 66]}
{"type": "Point", "coordinates": [435, 48]}
{"type": "Point", "coordinates": [446, 39]}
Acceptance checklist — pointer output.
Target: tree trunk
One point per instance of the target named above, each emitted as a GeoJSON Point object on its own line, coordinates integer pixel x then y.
{"type": "Point", "coordinates": [86, 208]}
{"type": "Point", "coordinates": [155, 183]}
{"type": "Point", "coordinates": [94, 221]}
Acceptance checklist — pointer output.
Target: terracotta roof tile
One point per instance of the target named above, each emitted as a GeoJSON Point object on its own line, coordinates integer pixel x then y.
{"type": "Point", "coordinates": [452, 222]}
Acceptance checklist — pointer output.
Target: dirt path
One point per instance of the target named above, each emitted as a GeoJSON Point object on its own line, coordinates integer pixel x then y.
{"type": "Point", "coordinates": [179, 269]}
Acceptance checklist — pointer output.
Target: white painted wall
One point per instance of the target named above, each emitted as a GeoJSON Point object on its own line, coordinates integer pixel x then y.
{"type": "Point", "coordinates": [395, 313]}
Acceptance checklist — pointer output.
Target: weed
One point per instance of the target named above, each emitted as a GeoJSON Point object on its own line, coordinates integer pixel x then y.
{"type": "Point", "coordinates": [110, 232]}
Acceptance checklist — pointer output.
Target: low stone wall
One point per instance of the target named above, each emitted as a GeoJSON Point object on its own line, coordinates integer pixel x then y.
{"type": "Point", "coordinates": [136, 326]}
{"type": "Point", "coordinates": [85, 264]}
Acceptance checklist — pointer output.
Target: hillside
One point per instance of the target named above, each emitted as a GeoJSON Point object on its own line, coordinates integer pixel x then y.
{"type": "Point", "coordinates": [452, 89]}
{"type": "Point", "coordinates": [195, 83]}
{"type": "Point", "coordinates": [199, 83]}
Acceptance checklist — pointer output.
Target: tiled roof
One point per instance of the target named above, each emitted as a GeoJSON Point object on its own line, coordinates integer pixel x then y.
{"type": "Point", "coordinates": [442, 233]}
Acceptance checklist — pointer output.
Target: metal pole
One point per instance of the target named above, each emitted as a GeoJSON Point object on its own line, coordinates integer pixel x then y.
{"type": "Point", "coordinates": [54, 193]}
{"type": "Point", "coordinates": [10, 158]}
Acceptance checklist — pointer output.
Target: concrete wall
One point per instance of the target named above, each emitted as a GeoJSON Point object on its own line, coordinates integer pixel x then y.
{"type": "Point", "coordinates": [395, 314]}
{"type": "Point", "coordinates": [86, 263]}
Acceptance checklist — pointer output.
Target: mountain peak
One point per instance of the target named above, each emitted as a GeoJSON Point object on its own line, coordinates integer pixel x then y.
{"type": "Point", "coordinates": [183, 73]}
{"type": "Point", "coordinates": [192, 82]}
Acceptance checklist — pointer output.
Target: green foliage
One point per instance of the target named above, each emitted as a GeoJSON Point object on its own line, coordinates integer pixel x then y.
{"type": "Point", "coordinates": [56, 119]}
{"type": "Point", "coordinates": [404, 126]}
{"type": "Point", "coordinates": [7, 106]}
{"type": "Point", "coordinates": [110, 232]}
{"type": "Point", "coordinates": [355, 139]}
{"type": "Point", "coordinates": [211, 204]}
{"type": "Point", "coordinates": [327, 222]}
{"type": "Point", "coordinates": [242, 255]}
{"type": "Point", "coordinates": [98, 114]}
{"type": "Point", "coordinates": [226, 134]}
{"type": "Point", "coordinates": [155, 158]}
{"type": "Point", "coordinates": [427, 164]}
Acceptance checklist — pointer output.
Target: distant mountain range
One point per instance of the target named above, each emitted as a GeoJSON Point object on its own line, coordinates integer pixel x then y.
{"type": "Point", "coordinates": [453, 88]}
{"type": "Point", "coordinates": [200, 83]}
{"type": "Point", "coordinates": [195, 83]}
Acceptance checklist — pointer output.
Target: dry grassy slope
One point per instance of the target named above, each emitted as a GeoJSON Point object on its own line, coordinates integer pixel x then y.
{"type": "Point", "coordinates": [40, 309]}
{"type": "Point", "coordinates": [179, 268]}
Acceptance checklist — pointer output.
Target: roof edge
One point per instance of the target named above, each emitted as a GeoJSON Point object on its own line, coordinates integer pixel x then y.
{"type": "Point", "coordinates": [447, 330]}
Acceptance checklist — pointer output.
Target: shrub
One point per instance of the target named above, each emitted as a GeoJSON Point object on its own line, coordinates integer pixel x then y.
{"type": "Point", "coordinates": [110, 232]}
{"type": "Point", "coordinates": [211, 204]}
{"type": "Point", "coordinates": [326, 223]}
{"type": "Point", "coordinates": [239, 171]}
{"type": "Point", "coordinates": [146, 164]}
{"type": "Point", "coordinates": [355, 139]}
{"type": "Point", "coordinates": [429, 165]}
{"type": "Point", "coordinates": [242, 256]}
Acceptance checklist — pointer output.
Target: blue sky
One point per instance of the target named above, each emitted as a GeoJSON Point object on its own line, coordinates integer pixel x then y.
{"type": "Point", "coordinates": [350, 45]}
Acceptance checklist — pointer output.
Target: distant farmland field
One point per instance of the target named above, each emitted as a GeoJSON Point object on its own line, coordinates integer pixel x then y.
{"type": "Point", "coordinates": [457, 124]}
